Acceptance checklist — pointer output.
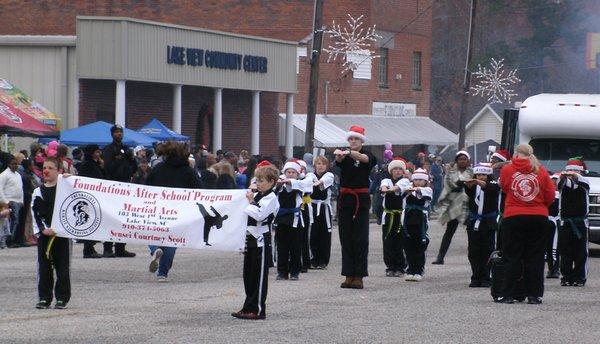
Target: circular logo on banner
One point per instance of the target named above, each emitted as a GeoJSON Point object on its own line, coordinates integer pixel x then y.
{"type": "Point", "coordinates": [525, 187]}
{"type": "Point", "coordinates": [80, 214]}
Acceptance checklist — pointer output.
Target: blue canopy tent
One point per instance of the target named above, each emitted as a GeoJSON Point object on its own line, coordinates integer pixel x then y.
{"type": "Point", "coordinates": [159, 131]}
{"type": "Point", "coordinates": [99, 133]}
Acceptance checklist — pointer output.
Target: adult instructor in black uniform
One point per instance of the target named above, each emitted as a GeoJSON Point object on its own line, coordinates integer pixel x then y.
{"type": "Point", "coordinates": [119, 165]}
{"type": "Point", "coordinates": [354, 203]}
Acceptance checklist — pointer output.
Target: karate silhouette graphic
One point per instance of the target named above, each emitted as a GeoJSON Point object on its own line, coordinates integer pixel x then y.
{"type": "Point", "coordinates": [211, 221]}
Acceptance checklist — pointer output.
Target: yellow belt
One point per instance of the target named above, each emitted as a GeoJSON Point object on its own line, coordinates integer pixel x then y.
{"type": "Point", "coordinates": [392, 213]}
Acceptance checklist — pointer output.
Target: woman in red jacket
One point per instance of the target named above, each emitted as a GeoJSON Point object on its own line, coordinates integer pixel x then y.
{"type": "Point", "coordinates": [529, 192]}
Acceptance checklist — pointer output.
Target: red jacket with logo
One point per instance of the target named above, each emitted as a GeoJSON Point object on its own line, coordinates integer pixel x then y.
{"type": "Point", "coordinates": [527, 193]}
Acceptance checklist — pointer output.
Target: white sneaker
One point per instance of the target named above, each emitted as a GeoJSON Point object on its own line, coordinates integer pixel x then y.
{"type": "Point", "coordinates": [409, 278]}
{"type": "Point", "coordinates": [155, 260]}
{"type": "Point", "coordinates": [417, 278]}
{"type": "Point", "coordinates": [161, 279]}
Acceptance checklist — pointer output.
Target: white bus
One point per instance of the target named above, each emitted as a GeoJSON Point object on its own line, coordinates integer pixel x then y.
{"type": "Point", "coordinates": [559, 127]}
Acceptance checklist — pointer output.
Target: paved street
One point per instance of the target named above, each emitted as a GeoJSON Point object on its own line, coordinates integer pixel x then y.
{"type": "Point", "coordinates": [118, 301]}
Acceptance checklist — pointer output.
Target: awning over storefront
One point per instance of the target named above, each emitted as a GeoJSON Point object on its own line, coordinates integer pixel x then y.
{"type": "Point", "coordinates": [330, 131]}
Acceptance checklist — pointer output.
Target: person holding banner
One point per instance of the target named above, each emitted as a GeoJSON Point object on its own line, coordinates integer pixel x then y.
{"type": "Point", "coordinates": [354, 203]}
{"type": "Point", "coordinates": [258, 254]}
{"type": "Point", "coordinates": [119, 164]}
{"type": "Point", "coordinates": [53, 251]}
{"type": "Point", "coordinates": [174, 172]}
{"type": "Point", "coordinates": [92, 167]}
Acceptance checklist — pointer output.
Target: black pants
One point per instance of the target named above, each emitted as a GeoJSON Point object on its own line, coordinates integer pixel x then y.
{"type": "Point", "coordinates": [59, 261]}
{"type": "Point", "coordinates": [451, 227]}
{"type": "Point", "coordinates": [88, 246]}
{"type": "Point", "coordinates": [552, 244]}
{"type": "Point", "coordinates": [573, 254]}
{"type": "Point", "coordinates": [305, 248]}
{"type": "Point", "coordinates": [19, 237]}
{"type": "Point", "coordinates": [257, 261]}
{"type": "Point", "coordinates": [119, 247]}
{"type": "Point", "coordinates": [393, 250]}
{"type": "Point", "coordinates": [289, 245]}
{"type": "Point", "coordinates": [523, 243]}
{"type": "Point", "coordinates": [354, 238]}
{"type": "Point", "coordinates": [320, 236]}
{"type": "Point", "coordinates": [481, 246]}
{"type": "Point", "coordinates": [415, 247]}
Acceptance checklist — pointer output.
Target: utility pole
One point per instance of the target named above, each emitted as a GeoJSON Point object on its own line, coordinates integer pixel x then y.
{"type": "Point", "coordinates": [313, 86]}
{"type": "Point", "coordinates": [467, 79]}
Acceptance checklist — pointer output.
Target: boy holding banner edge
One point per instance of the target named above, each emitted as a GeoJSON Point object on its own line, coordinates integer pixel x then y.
{"type": "Point", "coordinates": [53, 252]}
{"type": "Point", "coordinates": [258, 254]}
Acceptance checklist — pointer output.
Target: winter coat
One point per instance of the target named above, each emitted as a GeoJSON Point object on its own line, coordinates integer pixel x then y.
{"type": "Point", "coordinates": [452, 204]}
{"type": "Point", "coordinates": [527, 193]}
{"type": "Point", "coordinates": [174, 172]}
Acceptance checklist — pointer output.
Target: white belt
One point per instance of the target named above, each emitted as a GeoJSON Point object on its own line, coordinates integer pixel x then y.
{"type": "Point", "coordinates": [318, 203]}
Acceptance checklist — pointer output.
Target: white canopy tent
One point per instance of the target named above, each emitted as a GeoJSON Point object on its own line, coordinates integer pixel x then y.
{"type": "Point", "coordinates": [330, 131]}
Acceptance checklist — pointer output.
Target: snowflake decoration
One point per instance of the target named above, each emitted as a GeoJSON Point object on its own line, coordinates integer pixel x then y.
{"type": "Point", "coordinates": [494, 82]}
{"type": "Point", "coordinates": [350, 42]}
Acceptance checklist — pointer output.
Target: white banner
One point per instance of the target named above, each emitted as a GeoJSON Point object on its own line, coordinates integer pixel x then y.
{"type": "Point", "coordinates": [104, 210]}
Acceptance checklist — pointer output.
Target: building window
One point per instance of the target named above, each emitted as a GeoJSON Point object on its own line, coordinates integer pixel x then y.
{"type": "Point", "coordinates": [416, 76]}
{"type": "Point", "coordinates": [383, 67]}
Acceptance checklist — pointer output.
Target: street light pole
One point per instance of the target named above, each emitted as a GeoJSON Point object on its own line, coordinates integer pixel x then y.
{"type": "Point", "coordinates": [313, 87]}
{"type": "Point", "coordinates": [467, 79]}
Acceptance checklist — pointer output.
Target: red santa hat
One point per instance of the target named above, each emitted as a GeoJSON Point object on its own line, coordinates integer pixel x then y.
{"type": "Point", "coordinates": [264, 163]}
{"type": "Point", "coordinates": [462, 152]}
{"type": "Point", "coordinates": [483, 168]}
{"type": "Point", "coordinates": [302, 163]}
{"type": "Point", "coordinates": [576, 164]}
{"type": "Point", "coordinates": [420, 174]}
{"type": "Point", "coordinates": [397, 163]}
{"type": "Point", "coordinates": [293, 165]}
{"type": "Point", "coordinates": [501, 154]}
{"type": "Point", "coordinates": [358, 132]}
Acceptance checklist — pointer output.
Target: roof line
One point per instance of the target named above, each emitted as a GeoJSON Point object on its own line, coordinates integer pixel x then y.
{"type": "Point", "coordinates": [37, 40]}
{"type": "Point", "coordinates": [184, 27]}
{"type": "Point", "coordinates": [480, 113]}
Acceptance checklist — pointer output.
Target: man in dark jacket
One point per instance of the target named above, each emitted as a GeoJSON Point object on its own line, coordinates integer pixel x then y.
{"type": "Point", "coordinates": [174, 172]}
{"type": "Point", "coordinates": [92, 167]}
{"type": "Point", "coordinates": [119, 165]}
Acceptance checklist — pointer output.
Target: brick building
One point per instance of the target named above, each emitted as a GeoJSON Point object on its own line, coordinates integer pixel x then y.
{"type": "Point", "coordinates": [398, 83]}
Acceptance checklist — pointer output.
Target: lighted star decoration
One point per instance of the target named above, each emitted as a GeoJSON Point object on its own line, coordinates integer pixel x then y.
{"type": "Point", "coordinates": [353, 43]}
{"type": "Point", "coordinates": [495, 82]}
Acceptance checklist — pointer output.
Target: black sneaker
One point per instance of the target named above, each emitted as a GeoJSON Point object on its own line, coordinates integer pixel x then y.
{"type": "Point", "coordinates": [294, 277]}
{"type": "Point", "coordinates": [534, 300]}
{"type": "Point", "coordinates": [438, 262]}
{"type": "Point", "coordinates": [93, 255]}
{"type": "Point", "coordinates": [565, 282]}
{"type": "Point", "coordinates": [475, 284]}
{"type": "Point", "coordinates": [125, 254]}
{"type": "Point", "coordinates": [282, 276]}
{"type": "Point", "coordinates": [60, 305]}
{"type": "Point", "coordinates": [389, 273]}
{"type": "Point", "coordinates": [42, 304]}
{"type": "Point", "coordinates": [504, 299]}
{"type": "Point", "coordinates": [108, 254]}
{"type": "Point", "coordinates": [486, 284]}
{"type": "Point", "coordinates": [578, 283]}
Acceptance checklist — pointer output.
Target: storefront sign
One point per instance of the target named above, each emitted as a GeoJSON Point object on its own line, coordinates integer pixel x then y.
{"type": "Point", "coordinates": [215, 59]}
{"type": "Point", "coordinates": [103, 210]}
{"type": "Point", "coordinates": [394, 109]}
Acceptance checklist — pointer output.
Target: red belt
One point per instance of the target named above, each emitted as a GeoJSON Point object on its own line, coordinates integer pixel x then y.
{"type": "Point", "coordinates": [356, 192]}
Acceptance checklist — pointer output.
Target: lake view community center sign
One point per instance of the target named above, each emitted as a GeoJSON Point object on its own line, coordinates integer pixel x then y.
{"type": "Point", "coordinates": [216, 59]}
{"type": "Point", "coordinates": [118, 48]}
